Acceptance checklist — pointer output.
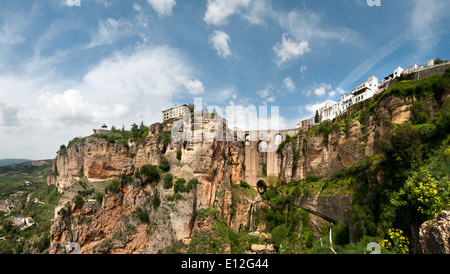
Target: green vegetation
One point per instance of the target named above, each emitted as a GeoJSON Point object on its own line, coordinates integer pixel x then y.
{"type": "Point", "coordinates": [168, 181]}
{"type": "Point", "coordinates": [113, 186]}
{"type": "Point", "coordinates": [150, 173]}
{"type": "Point", "coordinates": [156, 201]}
{"type": "Point", "coordinates": [164, 137]}
{"type": "Point", "coordinates": [40, 207]}
{"type": "Point", "coordinates": [164, 165]}
{"type": "Point", "coordinates": [140, 214]}
{"type": "Point", "coordinates": [179, 154]}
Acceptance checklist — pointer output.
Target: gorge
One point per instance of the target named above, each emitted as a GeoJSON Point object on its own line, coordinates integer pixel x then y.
{"type": "Point", "coordinates": [147, 193]}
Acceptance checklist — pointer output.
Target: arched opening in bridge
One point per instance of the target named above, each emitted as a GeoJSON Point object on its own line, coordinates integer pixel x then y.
{"type": "Point", "coordinates": [247, 138]}
{"type": "Point", "coordinates": [278, 139]}
{"type": "Point", "coordinates": [262, 146]}
{"type": "Point", "coordinates": [261, 186]}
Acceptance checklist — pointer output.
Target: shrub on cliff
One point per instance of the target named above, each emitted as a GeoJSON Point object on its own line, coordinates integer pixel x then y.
{"type": "Point", "coordinates": [140, 214]}
{"type": "Point", "coordinates": [168, 181]}
{"type": "Point", "coordinates": [164, 165]}
{"type": "Point", "coordinates": [442, 119]}
{"type": "Point", "coordinates": [156, 202]}
{"type": "Point", "coordinates": [180, 185]}
{"type": "Point", "coordinates": [113, 186]}
{"type": "Point", "coordinates": [179, 154]}
{"type": "Point", "coordinates": [78, 200]}
{"type": "Point", "coordinates": [150, 173]}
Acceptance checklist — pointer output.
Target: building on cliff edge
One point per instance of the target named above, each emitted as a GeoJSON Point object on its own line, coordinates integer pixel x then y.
{"type": "Point", "coordinates": [364, 91]}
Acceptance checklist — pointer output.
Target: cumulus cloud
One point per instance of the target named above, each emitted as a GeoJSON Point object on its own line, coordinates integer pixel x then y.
{"type": "Point", "coordinates": [162, 7]}
{"type": "Point", "coordinates": [127, 87]}
{"type": "Point", "coordinates": [265, 92]}
{"type": "Point", "coordinates": [289, 49]}
{"type": "Point", "coordinates": [219, 40]}
{"type": "Point", "coordinates": [322, 90]}
{"type": "Point", "coordinates": [218, 11]}
{"type": "Point", "coordinates": [137, 7]}
{"type": "Point", "coordinates": [289, 84]}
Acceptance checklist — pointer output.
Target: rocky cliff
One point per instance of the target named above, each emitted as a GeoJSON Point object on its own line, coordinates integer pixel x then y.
{"type": "Point", "coordinates": [216, 165]}
{"type": "Point", "coordinates": [140, 216]}
{"type": "Point", "coordinates": [343, 147]}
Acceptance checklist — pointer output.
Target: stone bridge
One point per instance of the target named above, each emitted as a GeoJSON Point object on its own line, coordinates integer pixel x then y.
{"type": "Point", "coordinates": [266, 141]}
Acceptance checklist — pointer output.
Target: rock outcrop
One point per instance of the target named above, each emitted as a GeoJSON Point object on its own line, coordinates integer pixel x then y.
{"type": "Point", "coordinates": [435, 234]}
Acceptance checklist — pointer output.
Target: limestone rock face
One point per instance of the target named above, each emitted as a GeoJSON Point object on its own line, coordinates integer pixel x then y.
{"type": "Point", "coordinates": [95, 158]}
{"type": "Point", "coordinates": [435, 234]}
{"type": "Point", "coordinates": [110, 227]}
{"type": "Point", "coordinates": [324, 157]}
{"type": "Point", "coordinates": [330, 207]}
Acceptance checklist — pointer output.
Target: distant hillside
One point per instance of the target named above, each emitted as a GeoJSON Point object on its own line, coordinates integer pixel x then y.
{"type": "Point", "coordinates": [8, 162]}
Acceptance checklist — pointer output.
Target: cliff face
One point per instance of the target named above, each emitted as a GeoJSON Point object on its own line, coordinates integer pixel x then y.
{"type": "Point", "coordinates": [114, 226]}
{"type": "Point", "coordinates": [95, 158]}
{"type": "Point", "coordinates": [319, 156]}
{"type": "Point", "coordinates": [110, 227]}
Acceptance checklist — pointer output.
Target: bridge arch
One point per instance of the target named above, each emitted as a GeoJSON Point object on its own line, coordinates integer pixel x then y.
{"type": "Point", "coordinates": [262, 146]}
{"type": "Point", "coordinates": [278, 138]}
{"type": "Point", "coordinates": [261, 186]}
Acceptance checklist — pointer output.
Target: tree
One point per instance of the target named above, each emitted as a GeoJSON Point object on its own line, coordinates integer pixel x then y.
{"type": "Point", "coordinates": [317, 117]}
{"type": "Point", "coordinates": [156, 201]}
{"type": "Point", "coordinates": [164, 165]}
{"type": "Point", "coordinates": [168, 181]}
{"type": "Point", "coordinates": [179, 154]}
{"type": "Point", "coordinates": [180, 185]}
{"type": "Point", "coordinates": [150, 173]}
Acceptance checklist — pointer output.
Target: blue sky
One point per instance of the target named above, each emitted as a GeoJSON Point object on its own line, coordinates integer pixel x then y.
{"type": "Point", "coordinates": [67, 69]}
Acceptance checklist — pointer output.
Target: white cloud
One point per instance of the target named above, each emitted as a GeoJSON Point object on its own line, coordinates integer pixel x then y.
{"type": "Point", "coordinates": [309, 26]}
{"type": "Point", "coordinates": [219, 41]}
{"type": "Point", "coordinates": [110, 31]}
{"type": "Point", "coordinates": [137, 7]}
{"type": "Point", "coordinates": [254, 11]}
{"type": "Point", "coordinates": [303, 69]}
{"type": "Point", "coordinates": [271, 99]}
{"type": "Point", "coordinates": [266, 92]}
{"type": "Point", "coordinates": [289, 84]}
{"type": "Point", "coordinates": [322, 90]}
{"type": "Point", "coordinates": [130, 86]}
{"type": "Point", "coordinates": [426, 17]}
{"type": "Point", "coordinates": [162, 7]}
{"type": "Point", "coordinates": [288, 49]}
{"type": "Point", "coordinates": [218, 11]}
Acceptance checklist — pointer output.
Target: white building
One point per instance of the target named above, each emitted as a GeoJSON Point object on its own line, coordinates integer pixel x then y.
{"type": "Point", "coordinates": [397, 72]}
{"type": "Point", "coordinates": [176, 112]}
{"type": "Point", "coordinates": [331, 110]}
{"type": "Point", "coordinates": [411, 69]}
{"type": "Point", "coordinates": [365, 90]}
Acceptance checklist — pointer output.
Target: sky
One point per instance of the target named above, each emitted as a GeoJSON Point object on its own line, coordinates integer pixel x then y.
{"type": "Point", "coordinates": [69, 66]}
